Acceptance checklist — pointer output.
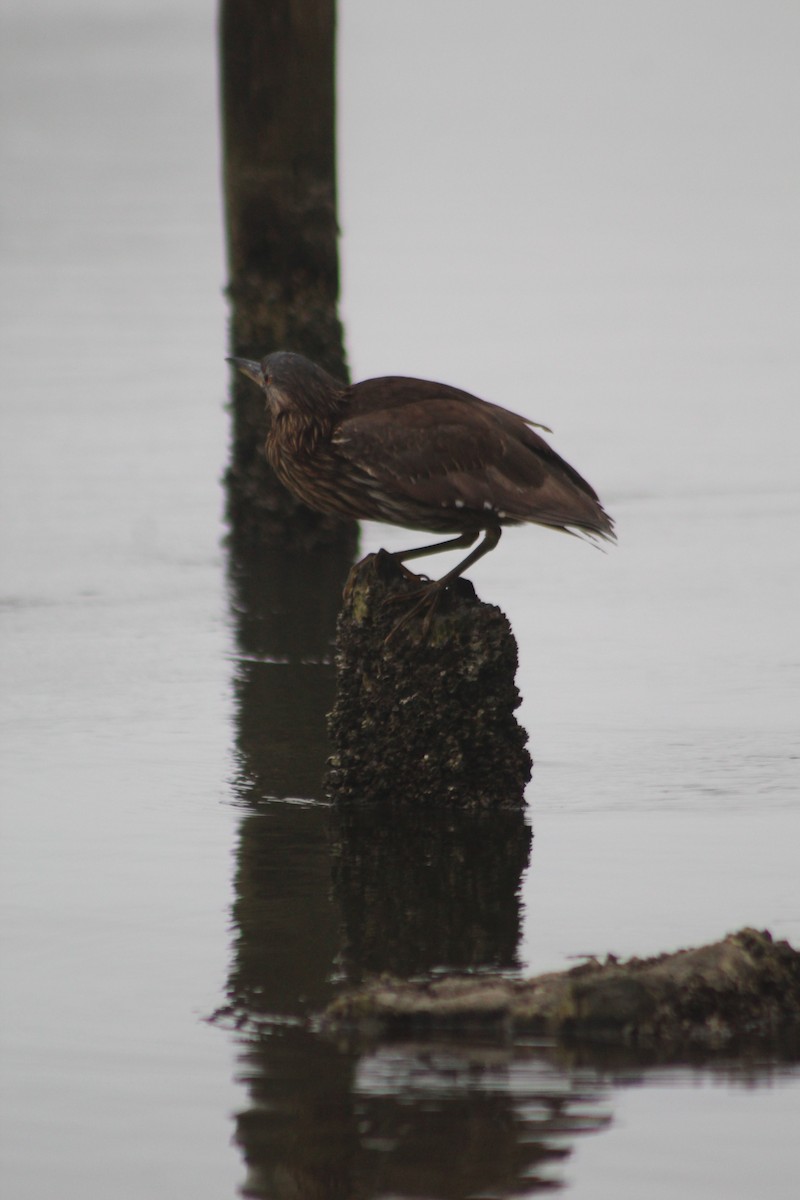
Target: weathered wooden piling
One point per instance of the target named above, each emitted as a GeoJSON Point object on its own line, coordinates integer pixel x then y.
{"type": "Point", "coordinates": [424, 717]}
{"type": "Point", "coordinates": [279, 173]}
{"type": "Point", "coordinates": [427, 775]}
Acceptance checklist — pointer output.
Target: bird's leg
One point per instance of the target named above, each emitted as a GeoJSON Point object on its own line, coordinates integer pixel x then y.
{"type": "Point", "coordinates": [491, 536]}
{"type": "Point", "coordinates": [399, 556]}
{"type": "Point", "coordinates": [427, 596]}
{"type": "Point", "coordinates": [463, 539]}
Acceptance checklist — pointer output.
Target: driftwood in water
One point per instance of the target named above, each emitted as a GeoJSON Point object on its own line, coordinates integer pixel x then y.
{"type": "Point", "coordinates": [425, 718]}
{"type": "Point", "coordinates": [746, 987]}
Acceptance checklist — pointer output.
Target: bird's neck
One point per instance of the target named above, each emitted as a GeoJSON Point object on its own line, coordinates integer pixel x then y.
{"type": "Point", "coordinates": [299, 432]}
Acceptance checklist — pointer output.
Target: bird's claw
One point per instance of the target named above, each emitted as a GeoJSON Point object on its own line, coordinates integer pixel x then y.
{"type": "Point", "coordinates": [427, 597]}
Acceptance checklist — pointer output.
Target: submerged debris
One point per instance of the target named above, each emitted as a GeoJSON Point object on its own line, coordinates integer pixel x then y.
{"type": "Point", "coordinates": [744, 988]}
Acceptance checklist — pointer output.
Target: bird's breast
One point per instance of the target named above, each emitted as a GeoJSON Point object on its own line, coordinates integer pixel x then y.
{"type": "Point", "coordinates": [308, 463]}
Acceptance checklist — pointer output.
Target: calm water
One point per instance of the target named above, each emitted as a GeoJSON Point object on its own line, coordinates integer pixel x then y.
{"type": "Point", "coordinates": [587, 213]}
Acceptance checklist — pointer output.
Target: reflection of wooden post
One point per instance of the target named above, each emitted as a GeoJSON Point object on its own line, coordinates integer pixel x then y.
{"type": "Point", "coordinates": [278, 121]}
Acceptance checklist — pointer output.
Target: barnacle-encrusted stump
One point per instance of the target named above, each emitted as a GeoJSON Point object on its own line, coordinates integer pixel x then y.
{"type": "Point", "coordinates": [424, 716]}
{"type": "Point", "coordinates": [745, 988]}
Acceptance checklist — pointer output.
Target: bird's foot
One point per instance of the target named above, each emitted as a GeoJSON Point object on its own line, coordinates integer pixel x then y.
{"type": "Point", "coordinates": [425, 600]}
{"type": "Point", "coordinates": [386, 564]}
{"type": "Point", "coordinates": [406, 571]}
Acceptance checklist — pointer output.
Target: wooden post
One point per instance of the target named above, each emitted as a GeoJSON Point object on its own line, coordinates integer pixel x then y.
{"type": "Point", "coordinates": [279, 154]}
{"type": "Point", "coordinates": [425, 719]}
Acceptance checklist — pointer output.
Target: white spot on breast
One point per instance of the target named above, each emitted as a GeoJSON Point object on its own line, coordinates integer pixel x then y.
{"type": "Point", "coordinates": [459, 503]}
{"type": "Point", "coordinates": [487, 504]}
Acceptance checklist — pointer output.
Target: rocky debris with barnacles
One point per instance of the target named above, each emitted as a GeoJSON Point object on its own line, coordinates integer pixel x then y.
{"type": "Point", "coordinates": [424, 712]}
{"type": "Point", "coordinates": [743, 989]}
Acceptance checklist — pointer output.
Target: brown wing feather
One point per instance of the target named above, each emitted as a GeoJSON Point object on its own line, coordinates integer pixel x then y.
{"type": "Point", "coordinates": [446, 449]}
{"type": "Point", "coordinates": [390, 392]}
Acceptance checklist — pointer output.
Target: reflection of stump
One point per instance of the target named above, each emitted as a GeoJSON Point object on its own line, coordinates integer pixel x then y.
{"type": "Point", "coordinates": [425, 719]}
{"type": "Point", "coordinates": [427, 888]}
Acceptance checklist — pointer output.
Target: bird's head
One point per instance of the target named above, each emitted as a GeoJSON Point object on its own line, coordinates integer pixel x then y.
{"type": "Point", "coordinates": [292, 383]}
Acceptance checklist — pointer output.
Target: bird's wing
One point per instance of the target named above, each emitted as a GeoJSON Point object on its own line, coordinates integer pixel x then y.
{"type": "Point", "coordinates": [438, 452]}
{"type": "Point", "coordinates": [397, 391]}
{"type": "Point", "coordinates": [389, 393]}
{"type": "Point", "coordinates": [425, 451]}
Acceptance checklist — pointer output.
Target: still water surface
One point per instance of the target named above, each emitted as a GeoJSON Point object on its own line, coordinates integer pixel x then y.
{"type": "Point", "coordinates": [585, 213]}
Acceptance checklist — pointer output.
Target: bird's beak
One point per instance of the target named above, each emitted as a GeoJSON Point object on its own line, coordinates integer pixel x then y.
{"type": "Point", "coordinates": [249, 368]}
